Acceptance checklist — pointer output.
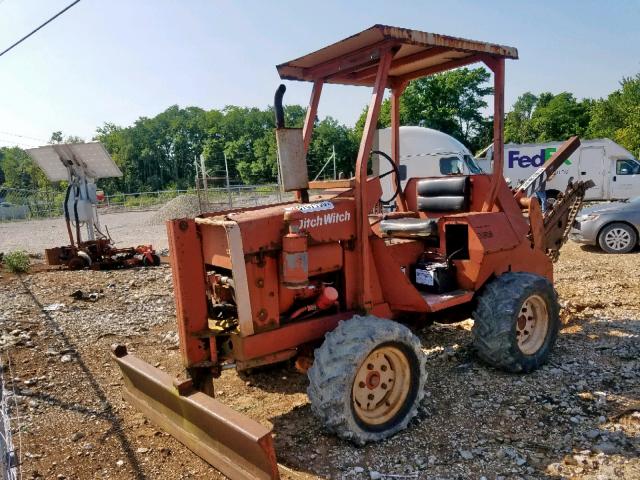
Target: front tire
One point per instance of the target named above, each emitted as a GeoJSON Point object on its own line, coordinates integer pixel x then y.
{"type": "Point", "coordinates": [617, 238]}
{"type": "Point", "coordinates": [516, 322]}
{"type": "Point", "coordinates": [367, 379]}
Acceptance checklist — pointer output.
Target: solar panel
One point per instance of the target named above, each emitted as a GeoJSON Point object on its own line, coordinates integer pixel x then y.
{"type": "Point", "coordinates": [91, 158]}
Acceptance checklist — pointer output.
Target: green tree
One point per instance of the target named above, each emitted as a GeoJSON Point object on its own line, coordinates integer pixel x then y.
{"type": "Point", "coordinates": [618, 116]}
{"type": "Point", "coordinates": [19, 171]}
{"type": "Point", "coordinates": [328, 135]}
{"type": "Point", "coordinates": [451, 102]}
{"type": "Point", "coordinates": [547, 117]}
{"type": "Point", "coordinates": [517, 123]}
{"type": "Point", "coordinates": [558, 117]}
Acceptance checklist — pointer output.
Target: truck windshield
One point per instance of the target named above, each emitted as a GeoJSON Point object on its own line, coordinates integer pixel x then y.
{"type": "Point", "coordinates": [472, 165]}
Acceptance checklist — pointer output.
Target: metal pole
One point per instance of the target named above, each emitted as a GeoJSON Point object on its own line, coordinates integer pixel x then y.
{"type": "Point", "coordinates": [365, 293]}
{"type": "Point", "coordinates": [334, 162]}
{"type": "Point", "coordinates": [226, 171]}
{"type": "Point", "coordinates": [497, 66]}
{"type": "Point", "coordinates": [323, 167]}
{"type": "Point", "coordinates": [204, 173]}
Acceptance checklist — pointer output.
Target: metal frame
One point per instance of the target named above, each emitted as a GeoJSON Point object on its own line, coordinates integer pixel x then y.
{"type": "Point", "coordinates": [378, 59]}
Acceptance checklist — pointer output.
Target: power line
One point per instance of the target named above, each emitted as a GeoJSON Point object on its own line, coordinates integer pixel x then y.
{"type": "Point", "coordinates": [34, 31]}
{"type": "Point", "coordinates": [22, 136]}
{"type": "Point", "coordinates": [4, 143]}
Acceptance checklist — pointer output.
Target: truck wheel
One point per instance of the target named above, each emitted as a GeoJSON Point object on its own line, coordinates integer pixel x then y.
{"type": "Point", "coordinates": [516, 322]}
{"type": "Point", "coordinates": [617, 238]}
{"type": "Point", "coordinates": [367, 379]}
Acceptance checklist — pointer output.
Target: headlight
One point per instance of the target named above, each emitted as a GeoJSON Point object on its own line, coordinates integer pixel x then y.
{"type": "Point", "coordinates": [589, 217]}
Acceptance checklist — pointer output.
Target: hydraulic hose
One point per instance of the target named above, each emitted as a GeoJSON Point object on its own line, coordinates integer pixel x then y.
{"type": "Point", "coordinates": [66, 215]}
{"type": "Point", "coordinates": [75, 213]}
{"type": "Point", "coordinates": [66, 205]}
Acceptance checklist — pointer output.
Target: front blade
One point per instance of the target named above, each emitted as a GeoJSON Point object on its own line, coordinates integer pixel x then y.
{"type": "Point", "coordinates": [236, 445]}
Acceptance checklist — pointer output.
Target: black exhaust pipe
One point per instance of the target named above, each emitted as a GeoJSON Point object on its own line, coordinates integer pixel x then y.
{"type": "Point", "coordinates": [277, 103]}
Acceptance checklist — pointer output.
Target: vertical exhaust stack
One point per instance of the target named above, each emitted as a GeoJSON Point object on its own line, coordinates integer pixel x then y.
{"type": "Point", "coordinates": [292, 161]}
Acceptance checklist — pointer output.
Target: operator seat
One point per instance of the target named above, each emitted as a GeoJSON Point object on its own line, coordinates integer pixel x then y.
{"type": "Point", "coordinates": [435, 195]}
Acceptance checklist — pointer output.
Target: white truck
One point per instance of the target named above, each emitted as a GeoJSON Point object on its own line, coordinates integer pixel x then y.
{"type": "Point", "coordinates": [613, 169]}
{"type": "Point", "coordinates": [424, 152]}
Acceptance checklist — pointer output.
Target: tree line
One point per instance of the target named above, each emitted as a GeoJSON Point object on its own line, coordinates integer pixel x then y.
{"type": "Point", "coordinates": [160, 152]}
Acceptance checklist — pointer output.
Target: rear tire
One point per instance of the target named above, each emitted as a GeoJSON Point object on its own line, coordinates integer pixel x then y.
{"type": "Point", "coordinates": [367, 379]}
{"type": "Point", "coordinates": [617, 238]}
{"type": "Point", "coordinates": [516, 322]}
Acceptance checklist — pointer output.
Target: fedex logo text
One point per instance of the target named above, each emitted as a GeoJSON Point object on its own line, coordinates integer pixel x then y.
{"type": "Point", "coordinates": [525, 161]}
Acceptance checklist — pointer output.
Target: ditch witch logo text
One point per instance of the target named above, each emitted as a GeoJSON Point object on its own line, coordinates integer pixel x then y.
{"type": "Point", "coordinates": [524, 161]}
{"type": "Point", "coordinates": [323, 218]}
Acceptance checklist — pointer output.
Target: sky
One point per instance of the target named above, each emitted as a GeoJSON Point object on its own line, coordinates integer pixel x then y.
{"type": "Point", "coordinates": [116, 60]}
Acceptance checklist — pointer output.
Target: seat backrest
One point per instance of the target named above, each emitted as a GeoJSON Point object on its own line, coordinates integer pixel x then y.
{"type": "Point", "coordinates": [443, 194]}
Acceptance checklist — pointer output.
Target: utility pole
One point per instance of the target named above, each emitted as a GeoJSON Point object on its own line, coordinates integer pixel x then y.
{"type": "Point", "coordinates": [197, 179]}
{"type": "Point", "coordinates": [226, 170]}
{"type": "Point", "coordinates": [203, 170]}
{"type": "Point", "coordinates": [332, 157]}
{"type": "Point", "coordinates": [334, 162]}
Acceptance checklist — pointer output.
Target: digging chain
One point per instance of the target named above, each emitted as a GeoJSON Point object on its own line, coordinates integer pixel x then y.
{"type": "Point", "coordinates": [562, 215]}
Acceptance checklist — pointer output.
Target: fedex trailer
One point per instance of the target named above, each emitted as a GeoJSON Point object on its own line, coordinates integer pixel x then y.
{"type": "Point", "coordinates": [424, 152]}
{"type": "Point", "coordinates": [613, 169]}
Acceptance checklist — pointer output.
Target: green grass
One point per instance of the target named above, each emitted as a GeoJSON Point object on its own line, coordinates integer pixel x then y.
{"type": "Point", "coordinates": [16, 261]}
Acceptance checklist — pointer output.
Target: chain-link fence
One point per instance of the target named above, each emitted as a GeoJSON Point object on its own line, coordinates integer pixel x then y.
{"type": "Point", "coordinates": [139, 200]}
{"type": "Point", "coordinates": [236, 196]}
{"type": "Point", "coordinates": [21, 204]}
{"type": "Point", "coordinates": [8, 458]}
{"type": "Point", "coordinates": [17, 203]}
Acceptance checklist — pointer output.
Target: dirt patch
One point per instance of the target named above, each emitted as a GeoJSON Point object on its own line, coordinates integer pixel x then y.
{"type": "Point", "coordinates": [577, 417]}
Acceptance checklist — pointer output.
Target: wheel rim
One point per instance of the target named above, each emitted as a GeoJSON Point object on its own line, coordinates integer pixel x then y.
{"type": "Point", "coordinates": [532, 325]}
{"type": "Point", "coordinates": [617, 239]}
{"type": "Point", "coordinates": [381, 385]}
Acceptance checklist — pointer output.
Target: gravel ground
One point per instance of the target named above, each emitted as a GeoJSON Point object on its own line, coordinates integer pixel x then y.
{"type": "Point", "coordinates": [577, 417]}
{"type": "Point", "coordinates": [126, 228]}
{"type": "Point", "coordinates": [35, 236]}
{"type": "Point", "coordinates": [179, 207]}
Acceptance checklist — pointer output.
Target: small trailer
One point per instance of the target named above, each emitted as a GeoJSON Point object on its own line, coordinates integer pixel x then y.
{"type": "Point", "coordinates": [613, 169]}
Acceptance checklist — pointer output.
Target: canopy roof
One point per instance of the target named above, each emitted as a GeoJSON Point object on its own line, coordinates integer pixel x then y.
{"type": "Point", "coordinates": [354, 60]}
